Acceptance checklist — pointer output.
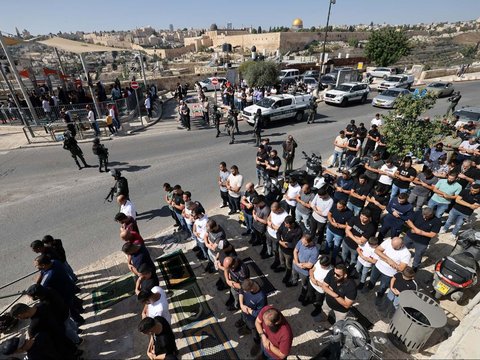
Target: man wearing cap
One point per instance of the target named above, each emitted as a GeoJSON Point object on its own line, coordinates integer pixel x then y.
{"type": "Point", "coordinates": [121, 184]}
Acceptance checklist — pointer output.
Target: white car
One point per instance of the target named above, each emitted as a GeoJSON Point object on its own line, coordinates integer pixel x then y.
{"type": "Point", "coordinates": [397, 81]}
{"type": "Point", "coordinates": [382, 72]}
{"type": "Point", "coordinates": [206, 84]}
{"type": "Point", "coordinates": [346, 93]}
{"type": "Point", "coordinates": [311, 83]}
{"type": "Point", "coordinates": [387, 98]}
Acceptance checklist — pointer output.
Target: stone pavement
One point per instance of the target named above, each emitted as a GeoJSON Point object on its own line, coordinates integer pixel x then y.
{"type": "Point", "coordinates": [112, 334]}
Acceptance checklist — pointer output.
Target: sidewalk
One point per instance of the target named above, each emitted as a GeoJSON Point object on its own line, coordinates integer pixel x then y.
{"type": "Point", "coordinates": [112, 333]}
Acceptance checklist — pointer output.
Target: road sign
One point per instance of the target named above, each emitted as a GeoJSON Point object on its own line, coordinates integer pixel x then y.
{"type": "Point", "coordinates": [134, 85]}
{"type": "Point", "coordinates": [214, 81]}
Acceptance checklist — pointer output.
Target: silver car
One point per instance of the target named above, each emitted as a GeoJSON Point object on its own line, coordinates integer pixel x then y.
{"type": "Point", "coordinates": [441, 89]}
{"type": "Point", "coordinates": [387, 98]}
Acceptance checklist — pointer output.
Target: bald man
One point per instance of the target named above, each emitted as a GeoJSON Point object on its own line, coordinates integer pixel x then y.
{"type": "Point", "coordinates": [126, 206]}
{"type": "Point", "coordinates": [235, 272]}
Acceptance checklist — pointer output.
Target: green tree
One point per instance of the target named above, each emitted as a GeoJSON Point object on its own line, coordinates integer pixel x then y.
{"type": "Point", "coordinates": [387, 46]}
{"type": "Point", "coordinates": [259, 73]}
{"type": "Point", "coordinates": [353, 42]}
{"type": "Point", "coordinates": [259, 30]}
{"type": "Point", "coordinates": [469, 52]}
{"type": "Point", "coordinates": [405, 131]}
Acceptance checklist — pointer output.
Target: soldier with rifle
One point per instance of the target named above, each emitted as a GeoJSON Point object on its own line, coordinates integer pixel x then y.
{"type": "Point", "coordinates": [70, 144]}
{"type": "Point", "coordinates": [217, 116]}
{"type": "Point", "coordinates": [102, 152]}
{"type": "Point", "coordinates": [120, 187]}
{"type": "Point", "coordinates": [312, 110]}
{"type": "Point", "coordinates": [454, 99]}
{"type": "Point", "coordinates": [230, 126]}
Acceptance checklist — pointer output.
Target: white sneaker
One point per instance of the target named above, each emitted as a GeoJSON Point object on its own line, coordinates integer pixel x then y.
{"type": "Point", "coordinates": [442, 231]}
{"type": "Point", "coordinates": [257, 186]}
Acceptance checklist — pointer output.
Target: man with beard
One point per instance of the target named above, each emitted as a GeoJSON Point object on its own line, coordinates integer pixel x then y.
{"type": "Point", "coordinates": [262, 156]}
{"type": "Point", "coordinates": [235, 272]}
{"type": "Point", "coordinates": [445, 191]}
{"type": "Point", "coordinates": [261, 212]}
{"type": "Point", "coordinates": [275, 333]}
{"type": "Point", "coordinates": [247, 207]}
{"type": "Point", "coordinates": [340, 293]}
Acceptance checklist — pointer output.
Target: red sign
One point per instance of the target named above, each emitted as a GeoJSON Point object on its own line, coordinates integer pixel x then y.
{"type": "Point", "coordinates": [214, 81]}
{"type": "Point", "coordinates": [134, 85]}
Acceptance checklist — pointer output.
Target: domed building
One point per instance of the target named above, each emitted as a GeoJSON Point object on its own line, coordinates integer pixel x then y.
{"type": "Point", "coordinates": [297, 24]}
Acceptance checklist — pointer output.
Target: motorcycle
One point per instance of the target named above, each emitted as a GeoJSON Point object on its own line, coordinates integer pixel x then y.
{"type": "Point", "coordinates": [357, 166]}
{"type": "Point", "coordinates": [349, 340]}
{"type": "Point", "coordinates": [458, 271]}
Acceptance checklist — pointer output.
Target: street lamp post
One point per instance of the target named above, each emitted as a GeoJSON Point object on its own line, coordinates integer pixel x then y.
{"type": "Point", "coordinates": [325, 37]}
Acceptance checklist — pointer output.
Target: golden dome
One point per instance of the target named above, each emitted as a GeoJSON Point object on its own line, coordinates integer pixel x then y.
{"type": "Point", "coordinates": [297, 22]}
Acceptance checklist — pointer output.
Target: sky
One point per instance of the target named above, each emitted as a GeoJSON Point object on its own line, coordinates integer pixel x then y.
{"type": "Point", "coordinates": [52, 16]}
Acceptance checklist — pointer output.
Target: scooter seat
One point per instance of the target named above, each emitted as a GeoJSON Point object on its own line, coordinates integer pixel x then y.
{"type": "Point", "coordinates": [466, 259]}
{"type": "Point", "coordinates": [454, 271]}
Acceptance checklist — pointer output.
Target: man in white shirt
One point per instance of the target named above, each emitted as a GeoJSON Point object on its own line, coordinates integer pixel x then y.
{"type": "Point", "coordinates": [315, 292]}
{"type": "Point", "coordinates": [223, 175]}
{"type": "Point", "coordinates": [290, 197]}
{"type": "Point", "coordinates": [126, 206]}
{"type": "Point", "coordinates": [148, 105]}
{"type": "Point", "coordinates": [467, 149]}
{"type": "Point", "coordinates": [155, 303]}
{"type": "Point", "coordinates": [234, 185]}
{"type": "Point", "coordinates": [200, 230]}
{"type": "Point", "coordinates": [321, 205]}
{"type": "Point", "coordinates": [340, 144]}
{"type": "Point", "coordinates": [92, 120]}
{"type": "Point", "coordinates": [387, 173]}
{"type": "Point", "coordinates": [377, 120]}
{"type": "Point", "coordinates": [393, 256]}
{"type": "Point", "coordinates": [47, 109]}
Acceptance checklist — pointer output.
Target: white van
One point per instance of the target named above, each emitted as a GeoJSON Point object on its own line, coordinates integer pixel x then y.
{"type": "Point", "coordinates": [289, 74]}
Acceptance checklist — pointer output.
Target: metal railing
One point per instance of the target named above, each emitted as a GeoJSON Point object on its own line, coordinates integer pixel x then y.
{"type": "Point", "coordinates": [17, 295]}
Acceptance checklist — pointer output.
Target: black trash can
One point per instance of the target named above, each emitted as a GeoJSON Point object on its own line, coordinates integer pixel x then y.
{"type": "Point", "coordinates": [414, 321]}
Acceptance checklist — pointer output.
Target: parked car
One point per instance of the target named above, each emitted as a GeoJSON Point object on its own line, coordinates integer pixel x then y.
{"type": "Point", "coordinates": [328, 79]}
{"type": "Point", "coordinates": [466, 114]}
{"type": "Point", "coordinates": [311, 73]}
{"type": "Point", "coordinates": [397, 81]}
{"type": "Point", "coordinates": [387, 98]}
{"type": "Point", "coordinates": [278, 107]}
{"type": "Point", "coordinates": [382, 72]}
{"type": "Point", "coordinates": [346, 93]}
{"type": "Point", "coordinates": [289, 74]}
{"type": "Point", "coordinates": [206, 84]}
{"type": "Point", "coordinates": [311, 83]}
{"type": "Point", "coordinates": [441, 89]}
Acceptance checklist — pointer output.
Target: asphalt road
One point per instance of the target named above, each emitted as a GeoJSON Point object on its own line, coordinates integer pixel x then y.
{"type": "Point", "coordinates": [44, 193]}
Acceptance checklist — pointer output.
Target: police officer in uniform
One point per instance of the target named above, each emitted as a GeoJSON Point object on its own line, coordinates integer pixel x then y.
{"type": "Point", "coordinates": [231, 125]}
{"type": "Point", "coordinates": [235, 113]}
{"type": "Point", "coordinates": [102, 152]}
{"type": "Point", "coordinates": [312, 110]}
{"type": "Point", "coordinates": [217, 116]}
{"type": "Point", "coordinates": [121, 184]}
{"type": "Point", "coordinates": [454, 99]}
{"type": "Point", "coordinates": [70, 144]}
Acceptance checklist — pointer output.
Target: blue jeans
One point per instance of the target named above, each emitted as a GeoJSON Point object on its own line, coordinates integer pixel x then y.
{"type": "Point", "coordinates": [356, 209]}
{"type": "Point", "coordinates": [396, 190]}
{"type": "Point", "coordinates": [248, 221]}
{"type": "Point", "coordinates": [384, 280]}
{"type": "Point", "coordinates": [439, 208]}
{"type": "Point", "coordinates": [346, 251]}
{"type": "Point", "coordinates": [183, 224]}
{"type": "Point", "coordinates": [333, 241]}
{"type": "Point", "coordinates": [95, 128]}
{"type": "Point", "coordinates": [457, 218]}
{"type": "Point", "coordinates": [363, 270]}
{"type": "Point", "coordinates": [265, 354]}
{"type": "Point", "coordinates": [305, 218]}
{"type": "Point", "coordinates": [202, 247]}
{"type": "Point", "coordinates": [393, 298]}
{"type": "Point", "coordinates": [337, 156]}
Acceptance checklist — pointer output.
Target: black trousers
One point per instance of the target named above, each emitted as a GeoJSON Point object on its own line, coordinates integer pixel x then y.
{"type": "Point", "coordinates": [234, 203]}
{"type": "Point", "coordinates": [224, 196]}
{"type": "Point", "coordinates": [317, 229]}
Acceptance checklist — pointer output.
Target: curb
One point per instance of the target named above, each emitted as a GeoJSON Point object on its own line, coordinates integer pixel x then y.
{"type": "Point", "coordinates": [150, 123]}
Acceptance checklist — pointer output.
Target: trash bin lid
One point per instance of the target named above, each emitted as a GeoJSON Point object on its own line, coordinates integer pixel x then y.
{"type": "Point", "coordinates": [422, 309]}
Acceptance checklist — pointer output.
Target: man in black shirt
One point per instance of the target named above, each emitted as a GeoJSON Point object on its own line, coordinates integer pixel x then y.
{"type": "Point", "coordinates": [359, 230]}
{"type": "Point", "coordinates": [353, 147]}
{"type": "Point", "coordinates": [247, 205]}
{"type": "Point", "coordinates": [340, 293]}
{"type": "Point", "coordinates": [178, 205]}
{"type": "Point", "coordinates": [358, 194]}
{"type": "Point", "coordinates": [338, 217]}
{"type": "Point", "coordinates": [235, 272]}
{"type": "Point", "coordinates": [467, 174]}
{"type": "Point", "coordinates": [423, 227]}
{"type": "Point", "coordinates": [372, 137]}
{"type": "Point", "coordinates": [162, 340]}
{"type": "Point", "coordinates": [261, 211]}
{"type": "Point", "coordinates": [137, 256]}
{"type": "Point", "coordinates": [350, 129]}
{"type": "Point", "coordinates": [372, 166]}
{"type": "Point", "coordinates": [288, 234]}
{"type": "Point", "coordinates": [262, 157]}
{"type": "Point", "coordinates": [361, 135]}
{"type": "Point", "coordinates": [404, 175]}
{"type": "Point", "coordinates": [465, 203]}
{"type": "Point", "coordinates": [273, 163]}
{"type": "Point", "coordinates": [377, 201]}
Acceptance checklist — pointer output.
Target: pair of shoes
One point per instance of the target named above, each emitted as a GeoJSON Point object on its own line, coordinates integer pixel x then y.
{"type": "Point", "coordinates": [239, 323]}
{"type": "Point", "coordinates": [278, 269]}
{"type": "Point", "coordinates": [80, 168]}
{"type": "Point", "coordinates": [223, 206]}
{"type": "Point", "coordinates": [265, 256]}
{"type": "Point", "coordinates": [244, 331]}
{"type": "Point", "coordinates": [275, 264]}
{"type": "Point", "coordinates": [254, 350]}
{"type": "Point", "coordinates": [368, 286]}
{"type": "Point", "coordinates": [246, 233]}
{"type": "Point", "coordinates": [176, 225]}
{"type": "Point", "coordinates": [317, 311]}
{"type": "Point", "coordinates": [442, 231]}
{"type": "Point", "coordinates": [100, 170]}
{"type": "Point", "coordinates": [217, 135]}
{"type": "Point", "coordinates": [379, 299]}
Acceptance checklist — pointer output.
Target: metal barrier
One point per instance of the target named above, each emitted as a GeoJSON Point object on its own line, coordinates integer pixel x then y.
{"type": "Point", "coordinates": [18, 294]}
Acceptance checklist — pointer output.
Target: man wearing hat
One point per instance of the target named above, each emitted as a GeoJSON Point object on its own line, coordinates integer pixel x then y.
{"type": "Point", "coordinates": [121, 184]}
{"type": "Point", "coordinates": [70, 144]}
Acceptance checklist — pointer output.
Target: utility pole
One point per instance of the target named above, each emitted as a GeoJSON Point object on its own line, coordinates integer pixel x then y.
{"type": "Point", "coordinates": [15, 98]}
{"type": "Point", "coordinates": [92, 93]}
{"type": "Point", "coordinates": [19, 81]}
{"type": "Point", "coordinates": [143, 70]}
{"type": "Point", "coordinates": [64, 85]}
{"type": "Point", "coordinates": [322, 69]}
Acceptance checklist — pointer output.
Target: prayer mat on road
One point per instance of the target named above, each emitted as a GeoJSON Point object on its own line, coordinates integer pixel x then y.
{"type": "Point", "coordinates": [113, 292]}
{"type": "Point", "coordinates": [257, 274]}
{"type": "Point", "coordinates": [175, 269]}
{"type": "Point", "coordinates": [207, 341]}
{"type": "Point", "coordinates": [189, 304]}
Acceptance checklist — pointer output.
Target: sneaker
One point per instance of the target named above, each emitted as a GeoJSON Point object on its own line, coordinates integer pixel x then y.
{"type": "Point", "coordinates": [320, 329]}
{"type": "Point", "coordinates": [317, 311]}
{"type": "Point", "coordinates": [330, 166]}
{"type": "Point", "coordinates": [257, 186]}
{"type": "Point", "coordinates": [442, 231]}
{"type": "Point", "coordinates": [239, 323]}
{"type": "Point", "coordinates": [223, 206]}
{"type": "Point", "coordinates": [289, 284]}
{"type": "Point", "coordinates": [275, 265]}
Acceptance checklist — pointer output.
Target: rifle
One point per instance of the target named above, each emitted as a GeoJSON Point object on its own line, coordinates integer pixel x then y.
{"type": "Point", "coordinates": [109, 197]}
